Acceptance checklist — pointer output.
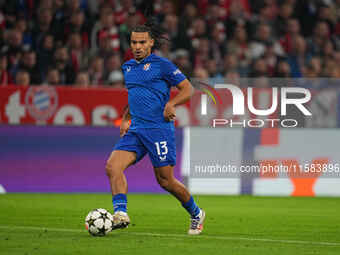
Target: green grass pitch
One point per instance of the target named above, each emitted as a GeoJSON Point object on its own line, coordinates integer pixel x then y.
{"type": "Point", "coordinates": [54, 224]}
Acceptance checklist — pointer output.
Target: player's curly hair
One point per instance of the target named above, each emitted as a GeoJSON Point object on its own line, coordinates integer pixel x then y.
{"type": "Point", "coordinates": [155, 31]}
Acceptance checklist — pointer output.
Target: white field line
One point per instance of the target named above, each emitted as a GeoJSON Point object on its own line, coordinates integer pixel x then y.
{"type": "Point", "coordinates": [179, 236]}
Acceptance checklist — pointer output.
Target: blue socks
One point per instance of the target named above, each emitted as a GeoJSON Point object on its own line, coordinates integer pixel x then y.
{"type": "Point", "coordinates": [191, 207]}
{"type": "Point", "coordinates": [119, 202]}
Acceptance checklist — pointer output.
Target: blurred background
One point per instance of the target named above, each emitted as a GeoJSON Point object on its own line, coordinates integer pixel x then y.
{"type": "Point", "coordinates": [84, 42]}
{"type": "Point", "coordinates": [62, 90]}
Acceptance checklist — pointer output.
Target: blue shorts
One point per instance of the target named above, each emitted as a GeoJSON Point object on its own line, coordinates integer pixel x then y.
{"type": "Point", "coordinates": [158, 143]}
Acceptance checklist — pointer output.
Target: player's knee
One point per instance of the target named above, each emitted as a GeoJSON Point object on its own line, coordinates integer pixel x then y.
{"type": "Point", "coordinates": [164, 183]}
{"type": "Point", "coordinates": [111, 168]}
{"type": "Point", "coordinates": [108, 168]}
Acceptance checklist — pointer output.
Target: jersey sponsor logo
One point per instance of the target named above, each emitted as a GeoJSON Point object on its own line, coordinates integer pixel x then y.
{"type": "Point", "coordinates": [128, 69]}
{"type": "Point", "coordinates": [177, 71]}
{"type": "Point", "coordinates": [146, 66]}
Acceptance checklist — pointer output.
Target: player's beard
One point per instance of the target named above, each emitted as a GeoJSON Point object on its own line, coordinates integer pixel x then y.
{"type": "Point", "coordinates": [141, 56]}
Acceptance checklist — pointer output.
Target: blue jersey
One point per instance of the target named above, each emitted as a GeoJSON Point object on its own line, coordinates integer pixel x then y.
{"type": "Point", "coordinates": [149, 82]}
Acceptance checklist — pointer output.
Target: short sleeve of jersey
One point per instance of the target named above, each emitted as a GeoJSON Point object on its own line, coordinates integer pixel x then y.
{"type": "Point", "coordinates": [171, 73]}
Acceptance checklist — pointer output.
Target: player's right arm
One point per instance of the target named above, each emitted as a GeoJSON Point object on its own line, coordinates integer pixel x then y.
{"type": "Point", "coordinates": [125, 125]}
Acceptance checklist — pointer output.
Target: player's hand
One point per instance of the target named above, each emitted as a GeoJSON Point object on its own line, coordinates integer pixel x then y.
{"type": "Point", "coordinates": [169, 112]}
{"type": "Point", "coordinates": [124, 127]}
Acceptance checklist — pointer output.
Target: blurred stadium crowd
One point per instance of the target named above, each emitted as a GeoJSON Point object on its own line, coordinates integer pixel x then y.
{"type": "Point", "coordinates": [84, 42]}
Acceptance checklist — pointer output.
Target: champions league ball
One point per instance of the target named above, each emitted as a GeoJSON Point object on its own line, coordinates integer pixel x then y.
{"type": "Point", "coordinates": [99, 222]}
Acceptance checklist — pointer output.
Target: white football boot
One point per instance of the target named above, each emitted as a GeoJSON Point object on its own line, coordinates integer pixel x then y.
{"type": "Point", "coordinates": [196, 225]}
{"type": "Point", "coordinates": [120, 220]}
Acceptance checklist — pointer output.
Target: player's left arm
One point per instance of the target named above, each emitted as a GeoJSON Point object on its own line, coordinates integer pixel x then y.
{"type": "Point", "coordinates": [186, 90]}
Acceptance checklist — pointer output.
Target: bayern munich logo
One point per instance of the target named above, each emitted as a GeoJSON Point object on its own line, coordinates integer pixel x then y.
{"type": "Point", "coordinates": [41, 102]}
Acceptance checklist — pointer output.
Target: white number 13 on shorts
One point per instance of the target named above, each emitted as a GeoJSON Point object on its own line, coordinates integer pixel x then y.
{"type": "Point", "coordinates": [162, 148]}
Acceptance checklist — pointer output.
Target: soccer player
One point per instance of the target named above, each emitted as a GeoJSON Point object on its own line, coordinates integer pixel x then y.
{"type": "Point", "coordinates": [149, 79]}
